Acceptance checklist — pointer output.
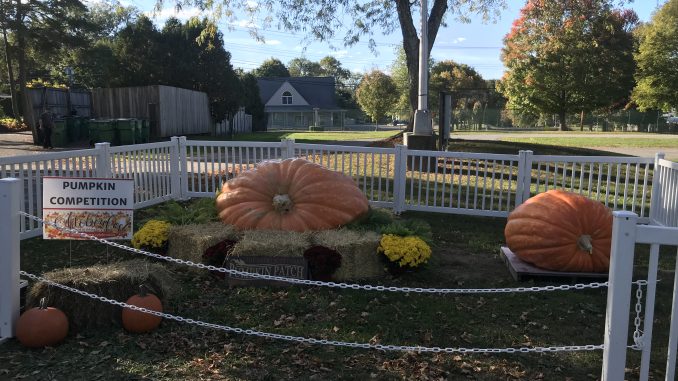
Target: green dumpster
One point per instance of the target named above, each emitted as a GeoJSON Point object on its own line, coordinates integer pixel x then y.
{"type": "Point", "coordinates": [83, 127]}
{"type": "Point", "coordinates": [102, 130]}
{"type": "Point", "coordinates": [126, 129]}
{"type": "Point", "coordinates": [72, 128]}
{"type": "Point", "coordinates": [145, 131]}
{"type": "Point", "coordinates": [59, 134]}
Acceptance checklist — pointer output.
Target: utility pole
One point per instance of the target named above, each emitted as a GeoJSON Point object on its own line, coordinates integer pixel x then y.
{"type": "Point", "coordinates": [421, 137]}
{"type": "Point", "coordinates": [422, 117]}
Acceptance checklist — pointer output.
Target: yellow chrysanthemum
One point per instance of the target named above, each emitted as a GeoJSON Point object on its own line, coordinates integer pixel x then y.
{"type": "Point", "coordinates": [408, 251]}
{"type": "Point", "coordinates": [153, 234]}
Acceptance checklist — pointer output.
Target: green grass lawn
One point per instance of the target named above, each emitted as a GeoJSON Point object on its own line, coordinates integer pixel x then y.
{"type": "Point", "coordinates": [591, 142]}
{"type": "Point", "coordinates": [309, 137]}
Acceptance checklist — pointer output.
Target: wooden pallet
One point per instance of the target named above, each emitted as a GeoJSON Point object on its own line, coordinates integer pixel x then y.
{"type": "Point", "coordinates": [522, 271]}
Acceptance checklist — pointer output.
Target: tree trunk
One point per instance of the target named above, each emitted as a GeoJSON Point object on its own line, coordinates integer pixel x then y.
{"type": "Point", "coordinates": [10, 74]}
{"type": "Point", "coordinates": [581, 121]}
{"type": "Point", "coordinates": [562, 117]}
{"type": "Point", "coordinates": [411, 44]}
{"type": "Point", "coordinates": [26, 107]}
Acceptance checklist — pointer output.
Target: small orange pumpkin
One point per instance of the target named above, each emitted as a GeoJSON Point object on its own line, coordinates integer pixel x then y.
{"type": "Point", "coordinates": [561, 231]}
{"type": "Point", "coordinates": [138, 321]}
{"type": "Point", "coordinates": [292, 194]}
{"type": "Point", "coordinates": [41, 326]}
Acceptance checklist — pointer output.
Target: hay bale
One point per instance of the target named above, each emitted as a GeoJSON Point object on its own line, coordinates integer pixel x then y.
{"type": "Point", "coordinates": [359, 259]}
{"type": "Point", "coordinates": [191, 241]}
{"type": "Point", "coordinates": [117, 281]}
{"type": "Point", "coordinates": [272, 243]}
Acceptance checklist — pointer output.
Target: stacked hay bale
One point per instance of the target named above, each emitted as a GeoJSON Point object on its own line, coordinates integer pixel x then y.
{"type": "Point", "coordinates": [358, 250]}
{"type": "Point", "coordinates": [272, 243]}
{"type": "Point", "coordinates": [117, 281]}
{"type": "Point", "coordinates": [190, 241]}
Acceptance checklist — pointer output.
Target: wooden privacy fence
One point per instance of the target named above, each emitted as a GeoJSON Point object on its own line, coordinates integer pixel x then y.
{"type": "Point", "coordinates": [446, 182]}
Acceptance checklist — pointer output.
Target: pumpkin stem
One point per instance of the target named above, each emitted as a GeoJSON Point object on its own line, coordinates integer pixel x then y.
{"type": "Point", "coordinates": [143, 290]}
{"type": "Point", "coordinates": [42, 304]}
{"type": "Point", "coordinates": [584, 243]}
{"type": "Point", "coordinates": [282, 203]}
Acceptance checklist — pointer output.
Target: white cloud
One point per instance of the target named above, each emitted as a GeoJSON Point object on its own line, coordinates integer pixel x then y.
{"type": "Point", "coordinates": [250, 40]}
{"type": "Point", "coordinates": [458, 40]}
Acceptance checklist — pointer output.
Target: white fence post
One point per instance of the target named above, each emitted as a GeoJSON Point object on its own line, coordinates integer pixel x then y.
{"type": "Point", "coordinates": [657, 188]}
{"type": "Point", "coordinates": [524, 178]}
{"type": "Point", "coordinates": [399, 178]}
{"type": "Point", "coordinates": [619, 295]}
{"type": "Point", "coordinates": [175, 169]}
{"type": "Point", "coordinates": [10, 204]}
{"type": "Point", "coordinates": [182, 167]}
{"type": "Point", "coordinates": [103, 169]}
{"type": "Point", "coordinates": [287, 148]}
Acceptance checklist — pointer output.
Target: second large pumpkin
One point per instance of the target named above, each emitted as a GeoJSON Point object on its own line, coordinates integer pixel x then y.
{"type": "Point", "coordinates": [561, 231]}
{"type": "Point", "coordinates": [292, 194]}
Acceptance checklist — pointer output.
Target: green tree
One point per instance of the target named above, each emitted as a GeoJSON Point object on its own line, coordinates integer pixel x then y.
{"type": "Point", "coordinates": [321, 19]}
{"type": "Point", "coordinates": [251, 100]}
{"type": "Point", "coordinates": [465, 83]}
{"type": "Point", "coordinates": [34, 32]}
{"type": "Point", "coordinates": [402, 106]}
{"type": "Point", "coordinates": [565, 56]}
{"type": "Point", "coordinates": [302, 67]}
{"type": "Point", "coordinates": [272, 67]}
{"type": "Point", "coordinates": [376, 94]}
{"type": "Point", "coordinates": [657, 57]}
{"type": "Point", "coordinates": [331, 67]}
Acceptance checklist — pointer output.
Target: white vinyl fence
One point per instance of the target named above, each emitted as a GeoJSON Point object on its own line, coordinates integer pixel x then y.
{"type": "Point", "coordinates": [446, 182]}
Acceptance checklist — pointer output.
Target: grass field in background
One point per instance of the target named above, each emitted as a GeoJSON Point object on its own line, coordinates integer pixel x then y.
{"type": "Point", "coordinates": [592, 142]}
{"type": "Point", "coordinates": [309, 137]}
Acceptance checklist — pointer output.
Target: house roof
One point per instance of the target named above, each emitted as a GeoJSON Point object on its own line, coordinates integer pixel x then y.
{"type": "Point", "coordinates": [318, 91]}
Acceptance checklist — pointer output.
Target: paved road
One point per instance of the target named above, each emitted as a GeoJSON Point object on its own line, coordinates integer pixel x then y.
{"type": "Point", "coordinates": [21, 143]}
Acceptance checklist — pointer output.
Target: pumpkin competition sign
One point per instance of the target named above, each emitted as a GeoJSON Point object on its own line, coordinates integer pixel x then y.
{"type": "Point", "coordinates": [99, 207]}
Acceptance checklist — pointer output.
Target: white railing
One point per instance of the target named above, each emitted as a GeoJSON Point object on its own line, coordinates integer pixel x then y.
{"type": "Point", "coordinates": [665, 203]}
{"type": "Point", "coordinates": [626, 233]}
{"type": "Point", "coordinates": [446, 182]}
{"type": "Point", "coordinates": [621, 183]}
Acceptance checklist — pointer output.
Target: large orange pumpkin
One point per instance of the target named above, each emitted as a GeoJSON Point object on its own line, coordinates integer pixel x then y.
{"type": "Point", "coordinates": [292, 194]}
{"type": "Point", "coordinates": [561, 231]}
{"type": "Point", "coordinates": [138, 321]}
{"type": "Point", "coordinates": [41, 326]}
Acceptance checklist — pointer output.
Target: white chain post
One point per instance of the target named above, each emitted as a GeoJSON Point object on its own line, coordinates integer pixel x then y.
{"type": "Point", "coordinates": [619, 295]}
{"type": "Point", "coordinates": [103, 169]}
{"type": "Point", "coordinates": [10, 204]}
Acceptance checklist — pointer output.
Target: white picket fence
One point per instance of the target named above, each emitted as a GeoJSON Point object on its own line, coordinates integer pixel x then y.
{"type": "Point", "coordinates": [478, 184]}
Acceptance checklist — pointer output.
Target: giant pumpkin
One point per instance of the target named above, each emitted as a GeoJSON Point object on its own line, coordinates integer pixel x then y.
{"type": "Point", "coordinates": [561, 231]}
{"type": "Point", "coordinates": [292, 194]}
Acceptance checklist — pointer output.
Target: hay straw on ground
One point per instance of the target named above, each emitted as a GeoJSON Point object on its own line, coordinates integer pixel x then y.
{"type": "Point", "coordinates": [191, 241]}
{"type": "Point", "coordinates": [359, 258]}
{"type": "Point", "coordinates": [272, 243]}
{"type": "Point", "coordinates": [117, 281]}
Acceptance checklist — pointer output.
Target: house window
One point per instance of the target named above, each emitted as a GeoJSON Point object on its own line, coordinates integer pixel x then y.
{"type": "Point", "coordinates": [287, 98]}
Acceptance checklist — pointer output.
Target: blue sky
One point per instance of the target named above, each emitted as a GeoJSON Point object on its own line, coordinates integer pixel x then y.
{"type": "Point", "coordinates": [475, 44]}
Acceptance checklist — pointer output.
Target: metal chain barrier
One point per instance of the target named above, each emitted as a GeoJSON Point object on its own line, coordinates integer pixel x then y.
{"type": "Point", "coordinates": [301, 339]}
{"type": "Point", "coordinates": [638, 333]}
{"type": "Point", "coordinates": [308, 282]}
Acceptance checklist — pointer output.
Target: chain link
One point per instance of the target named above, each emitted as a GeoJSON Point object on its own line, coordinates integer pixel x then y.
{"type": "Point", "coordinates": [638, 333]}
{"type": "Point", "coordinates": [301, 339]}
{"type": "Point", "coordinates": [308, 282]}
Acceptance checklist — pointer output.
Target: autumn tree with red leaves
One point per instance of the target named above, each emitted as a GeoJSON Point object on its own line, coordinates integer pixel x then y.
{"type": "Point", "coordinates": [568, 56]}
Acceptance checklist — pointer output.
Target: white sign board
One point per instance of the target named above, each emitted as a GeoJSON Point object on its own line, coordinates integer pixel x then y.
{"type": "Point", "coordinates": [99, 207]}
